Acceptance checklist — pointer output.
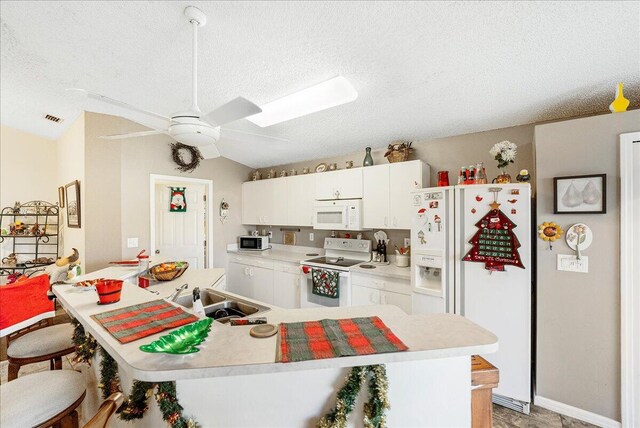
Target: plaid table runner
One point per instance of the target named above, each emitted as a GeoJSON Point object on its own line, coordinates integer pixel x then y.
{"type": "Point", "coordinates": [315, 340]}
{"type": "Point", "coordinates": [138, 321]}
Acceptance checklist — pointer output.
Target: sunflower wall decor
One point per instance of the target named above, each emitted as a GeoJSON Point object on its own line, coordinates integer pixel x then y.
{"type": "Point", "coordinates": [549, 232]}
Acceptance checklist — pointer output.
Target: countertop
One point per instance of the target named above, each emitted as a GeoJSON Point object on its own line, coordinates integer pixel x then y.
{"type": "Point", "coordinates": [390, 270]}
{"type": "Point", "coordinates": [293, 254]}
{"type": "Point", "coordinates": [230, 351]}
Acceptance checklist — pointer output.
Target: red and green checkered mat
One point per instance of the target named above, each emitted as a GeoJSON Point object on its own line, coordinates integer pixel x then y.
{"type": "Point", "coordinates": [315, 340]}
{"type": "Point", "coordinates": [138, 321]}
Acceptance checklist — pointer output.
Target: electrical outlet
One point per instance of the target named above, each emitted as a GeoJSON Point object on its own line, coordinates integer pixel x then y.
{"type": "Point", "coordinates": [407, 242]}
{"type": "Point", "coordinates": [571, 263]}
{"type": "Point", "coordinates": [270, 234]}
{"type": "Point", "coordinates": [311, 236]}
{"type": "Point", "coordinates": [132, 242]}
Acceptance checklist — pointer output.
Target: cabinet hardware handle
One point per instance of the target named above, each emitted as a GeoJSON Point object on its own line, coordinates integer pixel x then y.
{"type": "Point", "coordinates": [371, 295]}
{"type": "Point", "coordinates": [395, 221]}
{"type": "Point", "coordinates": [385, 220]}
{"type": "Point", "coordinates": [384, 299]}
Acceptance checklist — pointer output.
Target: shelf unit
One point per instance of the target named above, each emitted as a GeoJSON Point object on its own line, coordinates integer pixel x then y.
{"type": "Point", "coordinates": [27, 243]}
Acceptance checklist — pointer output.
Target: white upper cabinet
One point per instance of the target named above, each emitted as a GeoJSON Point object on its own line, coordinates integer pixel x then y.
{"type": "Point", "coordinates": [300, 199]}
{"type": "Point", "coordinates": [343, 184]}
{"type": "Point", "coordinates": [252, 201]}
{"type": "Point", "coordinates": [264, 202]}
{"type": "Point", "coordinates": [403, 178]}
{"type": "Point", "coordinates": [277, 208]}
{"type": "Point", "coordinates": [375, 202]}
{"type": "Point", "coordinates": [387, 200]}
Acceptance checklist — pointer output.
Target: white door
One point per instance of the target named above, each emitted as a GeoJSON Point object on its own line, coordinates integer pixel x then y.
{"type": "Point", "coordinates": [403, 178]}
{"type": "Point", "coordinates": [375, 203]}
{"type": "Point", "coordinates": [300, 200]}
{"type": "Point", "coordinates": [181, 236]}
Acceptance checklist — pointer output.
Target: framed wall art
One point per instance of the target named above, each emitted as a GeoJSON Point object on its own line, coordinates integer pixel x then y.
{"type": "Point", "coordinates": [580, 194]}
{"type": "Point", "coordinates": [72, 201]}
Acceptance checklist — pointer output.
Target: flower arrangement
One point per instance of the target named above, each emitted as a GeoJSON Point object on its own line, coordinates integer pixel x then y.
{"type": "Point", "coordinates": [504, 152]}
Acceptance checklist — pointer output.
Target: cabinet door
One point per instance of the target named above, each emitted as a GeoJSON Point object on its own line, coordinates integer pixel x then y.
{"type": "Point", "coordinates": [400, 300]}
{"type": "Point", "coordinates": [362, 296]}
{"type": "Point", "coordinates": [286, 289]}
{"type": "Point", "coordinates": [276, 205]}
{"type": "Point", "coordinates": [239, 281]}
{"type": "Point", "coordinates": [261, 283]}
{"type": "Point", "coordinates": [375, 202]}
{"type": "Point", "coordinates": [300, 200]}
{"type": "Point", "coordinates": [344, 184]}
{"type": "Point", "coordinates": [250, 201]}
{"type": "Point", "coordinates": [403, 178]}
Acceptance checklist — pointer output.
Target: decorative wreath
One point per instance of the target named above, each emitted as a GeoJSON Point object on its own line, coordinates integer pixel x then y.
{"type": "Point", "coordinates": [184, 166]}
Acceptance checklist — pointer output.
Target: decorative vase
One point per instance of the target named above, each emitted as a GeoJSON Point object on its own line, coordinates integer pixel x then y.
{"type": "Point", "coordinates": [368, 160]}
{"type": "Point", "coordinates": [620, 104]}
{"type": "Point", "coordinates": [503, 178]}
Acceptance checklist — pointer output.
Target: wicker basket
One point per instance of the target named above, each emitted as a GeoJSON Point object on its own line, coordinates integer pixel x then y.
{"type": "Point", "coordinates": [169, 275]}
{"type": "Point", "coordinates": [398, 152]}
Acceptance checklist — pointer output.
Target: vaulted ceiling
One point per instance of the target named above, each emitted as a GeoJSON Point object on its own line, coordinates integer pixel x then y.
{"type": "Point", "coordinates": [422, 69]}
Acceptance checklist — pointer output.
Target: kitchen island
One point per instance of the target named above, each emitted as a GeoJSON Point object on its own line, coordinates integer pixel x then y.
{"type": "Point", "coordinates": [234, 380]}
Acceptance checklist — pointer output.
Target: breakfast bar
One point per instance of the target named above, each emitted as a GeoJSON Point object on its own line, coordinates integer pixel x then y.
{"type": "Point", "coordinates": [236, 381]}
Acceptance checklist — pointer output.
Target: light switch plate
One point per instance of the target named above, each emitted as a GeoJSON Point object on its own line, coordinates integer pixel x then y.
{"type": "Point", "coordinates": [132, 242]}
{"type": "Point", "coordinates": [311, 236]}
{"type": "Point", "coordinates": [570, 263]}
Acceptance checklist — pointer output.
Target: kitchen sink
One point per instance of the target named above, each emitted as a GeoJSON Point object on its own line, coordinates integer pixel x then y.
{"type": "Point", "coordinates": [221, 306]}
{"type": "Point", "coordinates": [208, 297]}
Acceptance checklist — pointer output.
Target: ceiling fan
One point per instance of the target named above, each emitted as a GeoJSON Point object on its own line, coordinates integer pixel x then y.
{"type": "Point", "coordinates": [189, 127]}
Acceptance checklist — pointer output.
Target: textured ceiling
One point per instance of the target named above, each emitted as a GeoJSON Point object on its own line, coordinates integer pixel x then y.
{"type": "Point", "coordinates": [422, 69]}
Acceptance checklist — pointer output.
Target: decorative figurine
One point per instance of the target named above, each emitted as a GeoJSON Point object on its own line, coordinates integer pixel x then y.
{"type": "Point", "coordinates": [620, 104]}
{"type": "Point", "coordinates": [523, 176]}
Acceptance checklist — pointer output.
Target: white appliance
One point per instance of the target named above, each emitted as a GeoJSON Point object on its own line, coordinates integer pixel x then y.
{"type": "Point", "coordinates": [254, 243]}
{"type": "Point", "coordinates": [340, 255]}
{"type": "Point", "coordinates": [338, 214]}
{"type": "Point", "coordinates": [445, 219]}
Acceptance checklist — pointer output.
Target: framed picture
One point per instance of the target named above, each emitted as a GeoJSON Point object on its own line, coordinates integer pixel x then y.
{"type": "Point", "coordinates": [61, 196]}
{"type": "Point", "coordinates": [580, 194]}
{"type": "Point", "coordinates": [72, 199]}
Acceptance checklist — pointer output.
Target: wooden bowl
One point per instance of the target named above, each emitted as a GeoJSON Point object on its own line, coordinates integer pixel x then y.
{"type": "Point", "coordinates": [170, 274]}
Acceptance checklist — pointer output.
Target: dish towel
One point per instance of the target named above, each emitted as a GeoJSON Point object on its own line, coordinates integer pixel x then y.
{"type": "Point", "coordinates": [315, 340]}
{"type": "Point", "coordinates": [326, 283]}
{"type": "Point", "coordinates": [138, 321]}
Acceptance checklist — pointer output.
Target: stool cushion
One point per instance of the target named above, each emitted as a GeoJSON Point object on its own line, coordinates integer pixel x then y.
{"type": "Point", "coordinates": [41, 342]}
{"type": "Point", "coordinates": [33, 399]}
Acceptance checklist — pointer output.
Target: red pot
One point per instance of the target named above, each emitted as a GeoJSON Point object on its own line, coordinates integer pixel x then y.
{"type": "Point", "coordinates": [109, 290]}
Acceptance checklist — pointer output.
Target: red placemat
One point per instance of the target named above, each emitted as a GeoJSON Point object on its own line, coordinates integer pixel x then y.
{"type": "Point", "coordinates": [138, 321]}
{"type": "Point", "coordinates": [314, 340]}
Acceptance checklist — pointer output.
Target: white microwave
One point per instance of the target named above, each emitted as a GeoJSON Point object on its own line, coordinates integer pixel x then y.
{"type": "Point", "coordinates": [257, 243]}
{"type": "Point", "coordinates": [340, 214]}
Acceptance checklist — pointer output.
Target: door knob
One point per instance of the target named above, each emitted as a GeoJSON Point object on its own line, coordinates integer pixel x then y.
{"type": "Point", "coordinates": [157, 251]}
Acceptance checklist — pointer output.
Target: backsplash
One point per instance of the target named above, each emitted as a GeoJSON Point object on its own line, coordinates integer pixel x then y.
{"type": "Point", "coordinates": [395, 236]}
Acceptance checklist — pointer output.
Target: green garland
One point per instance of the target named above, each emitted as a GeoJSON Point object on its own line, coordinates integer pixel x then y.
{"type": "Point", "coordinates": [85, 344]}
{"type": "Point", "coordinates": [374, 409]}
{"type": "Point", "coordinates": [136, 405]}
{"type": "Point", "coordinates": [109, 379]}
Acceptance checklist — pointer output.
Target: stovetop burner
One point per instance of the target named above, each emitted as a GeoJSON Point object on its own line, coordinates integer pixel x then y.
{"type": "Point", "coordinates": [335, 261]}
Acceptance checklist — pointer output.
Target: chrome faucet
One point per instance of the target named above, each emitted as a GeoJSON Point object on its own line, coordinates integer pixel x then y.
{"type": "Point", "coordinates": [173, 296]}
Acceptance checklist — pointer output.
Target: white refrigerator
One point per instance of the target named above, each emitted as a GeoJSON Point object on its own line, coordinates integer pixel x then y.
{"type": "Point", "coordinates": [487, 280]}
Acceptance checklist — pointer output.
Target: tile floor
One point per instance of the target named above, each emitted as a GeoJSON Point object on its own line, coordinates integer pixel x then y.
{"type": "Point", "coordinates": [502, 417]}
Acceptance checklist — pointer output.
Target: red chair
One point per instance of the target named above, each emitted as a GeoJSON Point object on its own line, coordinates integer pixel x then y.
{"type": "Point", "coordinates": [25, 318]}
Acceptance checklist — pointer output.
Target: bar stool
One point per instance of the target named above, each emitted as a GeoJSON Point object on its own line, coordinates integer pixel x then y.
{"type": "Point", "coordinates": [42, 399]}
{"type": "Point", "coordinates": [44, 344]}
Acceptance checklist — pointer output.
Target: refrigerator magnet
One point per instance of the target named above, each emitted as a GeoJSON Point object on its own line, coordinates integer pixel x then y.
{"type": "Point", "coordinates": [473, 210]}
{"type": "Point", "coordinates": [479, 198]}
{"type": "Point", "coordinates": [515, 191]}
{"type": "Point", "coordinates": [512, 201]}
{"type": "Point", "coordinates": [513, 211]}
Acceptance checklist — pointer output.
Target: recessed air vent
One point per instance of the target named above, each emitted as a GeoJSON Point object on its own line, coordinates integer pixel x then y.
{"type": "Point", "coordinates": [53, 118]}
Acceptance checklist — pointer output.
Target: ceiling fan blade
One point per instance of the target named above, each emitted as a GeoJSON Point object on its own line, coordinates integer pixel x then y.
{"type": "Point", "coordinates": [235, 109]}
{"type": "Point", "coordinates": [209, 152]}
{"type": "Point", "coordinates": [248, 137]}
{"type": "Point", "coordinates": [130, 135]}
{"type": "Point", "coordinates": [100, 104]}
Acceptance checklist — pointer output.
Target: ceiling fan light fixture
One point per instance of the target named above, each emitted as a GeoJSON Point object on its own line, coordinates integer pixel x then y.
{"type": "Point", "coordinates": [330, 93]}
{"type": "Point", "coordinates": [193, 132]}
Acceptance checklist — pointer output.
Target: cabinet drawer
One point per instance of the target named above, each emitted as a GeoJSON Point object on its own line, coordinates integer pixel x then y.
{"type": "Point", "coordinates": [382, 283]}
{"type": "Point", "coordinates": [251, 261]}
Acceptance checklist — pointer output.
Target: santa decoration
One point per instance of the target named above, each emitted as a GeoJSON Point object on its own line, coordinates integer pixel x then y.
{"type": "Point", "coordinates": [178, 200]}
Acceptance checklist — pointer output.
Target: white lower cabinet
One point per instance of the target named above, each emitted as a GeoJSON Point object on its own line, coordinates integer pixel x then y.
{"type": "Point", "coordinates": [378, 290]}
{"type": "Point", "coordinates": [266, 281]}
{"type": "Point", "coordinates": [286, 286]}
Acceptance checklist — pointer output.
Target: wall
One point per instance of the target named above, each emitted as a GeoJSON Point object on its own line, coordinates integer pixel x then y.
{"type": "Point", "coordinates": [446, 154]}
{"type": "Point", "coordinates": [578, 315]}
{"type": "Point", "coordinates": [143, 156]}
{"type": "Point", "coordinates": [28, 168]}
{"type": "Point", "coordinates": [70, 159]}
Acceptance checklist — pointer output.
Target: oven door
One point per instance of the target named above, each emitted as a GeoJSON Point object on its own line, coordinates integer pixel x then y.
{"type": "Point", "coordinates": [330, 217]}
{"type": "Point", "coordinates": [310, 300]}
